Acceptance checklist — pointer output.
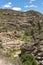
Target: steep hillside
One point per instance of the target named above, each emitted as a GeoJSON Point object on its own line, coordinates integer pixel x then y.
{"type": "Point", "coordinates": [20, 28]}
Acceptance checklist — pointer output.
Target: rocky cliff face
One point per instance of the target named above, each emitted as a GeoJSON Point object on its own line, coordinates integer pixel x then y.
{"type": "Point", "coordinates": [12, 32]}
{"type": "Point", "coordinates": [36, 46]}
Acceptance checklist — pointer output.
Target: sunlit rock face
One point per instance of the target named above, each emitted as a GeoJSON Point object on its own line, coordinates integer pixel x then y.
{"type": "Point", "coordinates": [35, 47]}
{"type": "Point", "coordinates": [12, 27]}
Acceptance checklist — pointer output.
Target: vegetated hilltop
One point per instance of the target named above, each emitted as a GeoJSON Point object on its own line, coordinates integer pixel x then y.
{"type": "Point", "coordinates": [22, 28]}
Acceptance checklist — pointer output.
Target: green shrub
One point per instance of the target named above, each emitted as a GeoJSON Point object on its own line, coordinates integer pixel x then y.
{"type": "Point", "coordinates": [27, 32]}
{"type": "Point", "coordinates": [28, 59]}
{"type": "Point", "coordinates": [26, 35]}
{"type": "Point", "coordinates": [27, 63]}
{"type": "Point", "coordinates": [1, 44]}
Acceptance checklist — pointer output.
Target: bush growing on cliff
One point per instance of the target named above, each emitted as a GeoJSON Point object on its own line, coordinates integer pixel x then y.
{"type": "Point", "coordinates": [1, 44]}
{"type": "Point", "coordinates": [28, 59]}
{"type": "Point", "coordinates": [26, 35]}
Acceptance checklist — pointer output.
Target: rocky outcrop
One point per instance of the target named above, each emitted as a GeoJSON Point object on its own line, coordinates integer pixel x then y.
{"type": "Point", "coordinates": [36, 46]}
{"type": "Point", "coordinates": [14, 23]}
{"type": "Point", "coordinates": [35, 49]}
